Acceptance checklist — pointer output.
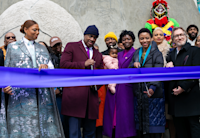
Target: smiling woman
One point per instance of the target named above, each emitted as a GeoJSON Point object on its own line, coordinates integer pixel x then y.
{"type": "Point", "coordinates": [119, 106]}
{"type": "Point", "coordinates": [163, 46]}
{"type": "Point", "coordinates": [29, 104]}
{"type": "Point", "coordinates": [149, 96]}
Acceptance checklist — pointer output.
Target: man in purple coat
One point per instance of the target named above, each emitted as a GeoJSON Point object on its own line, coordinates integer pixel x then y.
{"type": "Point", "coordinates": [80, 104]}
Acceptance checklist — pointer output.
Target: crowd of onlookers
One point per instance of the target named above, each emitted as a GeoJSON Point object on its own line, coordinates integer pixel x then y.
{"type": "Point", "coordinates": [142, 110]}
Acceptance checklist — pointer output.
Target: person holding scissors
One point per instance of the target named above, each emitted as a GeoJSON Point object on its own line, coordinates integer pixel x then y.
{"type": "Point", "coordinates": [149, 97]}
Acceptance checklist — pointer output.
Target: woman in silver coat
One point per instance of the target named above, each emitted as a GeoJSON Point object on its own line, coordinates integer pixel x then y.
{"type": "Point", "coordinates": [31, 112]}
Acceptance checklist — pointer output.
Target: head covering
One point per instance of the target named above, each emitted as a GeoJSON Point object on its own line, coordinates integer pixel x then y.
{"type": "Point", "coordinates": [54, 40]}
{"type": "Point", "coordinates": [160, 12]}
{"type": "Point", "coordinates": [112, 35]}
{"type": "Point", "coordinates": [92, 29]}
{"type": "Point", "coordinates": [144, 30]}
{"type": "Point", "coordinates": [192, 25]}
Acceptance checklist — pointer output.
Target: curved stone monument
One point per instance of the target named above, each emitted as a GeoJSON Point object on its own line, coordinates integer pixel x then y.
{"type": "Point", "coordinates": [53, 20]}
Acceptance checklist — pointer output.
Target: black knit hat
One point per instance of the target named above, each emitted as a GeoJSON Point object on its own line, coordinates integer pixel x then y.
{"type": "Point", "coordinates": [144, 30]}
{"type": "Point", "coordinates": [92, 29]}
{"type": "Point", "coordinates": [192, 25]}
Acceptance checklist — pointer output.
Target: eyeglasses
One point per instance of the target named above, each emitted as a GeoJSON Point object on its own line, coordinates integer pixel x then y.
{"type": "Point", "coordinates": [13, 37]}
{"type": "Point", "coordinates": [181, 35]}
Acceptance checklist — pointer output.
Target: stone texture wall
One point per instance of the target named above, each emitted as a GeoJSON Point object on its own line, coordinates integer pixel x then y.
{"type": "Point", "coordinates": [117, 15]}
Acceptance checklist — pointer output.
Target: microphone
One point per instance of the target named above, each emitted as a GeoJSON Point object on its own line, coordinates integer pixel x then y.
{"type": "Point", "coordinates": [95, 87]}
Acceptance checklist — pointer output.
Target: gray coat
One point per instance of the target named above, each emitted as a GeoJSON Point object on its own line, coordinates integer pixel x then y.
{"type": "Point", "coordinates": [30, 112]}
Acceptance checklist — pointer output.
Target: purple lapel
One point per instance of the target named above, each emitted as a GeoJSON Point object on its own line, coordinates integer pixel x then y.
{"type": "Point", "coordinates": [125, 59]}
{"type": "Point", "coordinates": [120, 57]}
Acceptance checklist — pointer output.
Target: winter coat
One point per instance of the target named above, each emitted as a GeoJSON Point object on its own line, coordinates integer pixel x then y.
{"type": "Point", "coordinates": [55, 60]}
{"type": "Point", "coordinates": [76, 101]}
{"type": "Point", "coordinates": [1, 58]}
{"type": "Point", "coordinates": [29, 108]}
{"type": "Point", "coordinates": [110, 63]}
{"type": "Point", "coordinates": [102, 96]}
{"type": "Point", "coordinates": [186, 103]}
{"type": "Point", "coordinates": [123, 99]}
{"type": "Point", "coordinates": [164, 48]}
{"type": "Point", "coordinates": [149, 112]}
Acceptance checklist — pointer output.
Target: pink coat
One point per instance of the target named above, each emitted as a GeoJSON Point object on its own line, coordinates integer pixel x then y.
{"type": "Point", "coordinates": [110, 62]}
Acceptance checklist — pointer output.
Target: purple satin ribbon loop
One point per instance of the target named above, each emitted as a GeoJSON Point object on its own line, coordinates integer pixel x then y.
{"type": "Point", "coordinates": [32, 78]}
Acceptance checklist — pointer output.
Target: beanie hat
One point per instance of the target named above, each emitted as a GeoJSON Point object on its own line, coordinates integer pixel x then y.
{"type": "Point", "coordinates": [92, 29]}
{"type": "Point", "coordinates": [112, 35]}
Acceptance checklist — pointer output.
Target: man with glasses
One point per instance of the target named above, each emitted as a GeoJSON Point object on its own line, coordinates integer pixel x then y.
{"type": "Point", "coordinates": [183, 95]}
{"type": "Point", "coordinates": [9, 38]}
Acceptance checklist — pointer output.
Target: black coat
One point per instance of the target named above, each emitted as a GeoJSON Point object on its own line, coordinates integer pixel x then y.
{"type": "Point", "coordinates": [147, 109]}
{"type": "Point", "coordinates": [188, 102]}
{"type": "Point", "coordinates": [154, 59]}
{"type": "Point", "coordinates": [55, 60]}
{"type": "Point", "coordinates": [1, 58]}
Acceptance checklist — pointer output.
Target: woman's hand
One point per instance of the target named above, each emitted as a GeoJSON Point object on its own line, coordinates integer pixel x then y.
{"type": "Point", "coordinates": [151, 92]}
{"type": "Point", "coordinates": [43, 66]}
{"type": "Point", "coordinates": [8, 90]}
{"type": "Point", "coordinates": [170, 64]}
{"type": "Point", "coordinates": [136, 64]}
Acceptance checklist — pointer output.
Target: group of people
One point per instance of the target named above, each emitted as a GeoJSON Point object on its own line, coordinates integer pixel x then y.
{"type": "Point", "coordinates": [115, 110]}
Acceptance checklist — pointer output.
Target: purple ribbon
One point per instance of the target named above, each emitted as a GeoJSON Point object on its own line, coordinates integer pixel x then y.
{"type": "Point", "coordinates": [32, 78]}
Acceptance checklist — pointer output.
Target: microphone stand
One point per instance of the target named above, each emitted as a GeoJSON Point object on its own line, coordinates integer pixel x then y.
{"type": "Point", "coordinates": [92, 68]}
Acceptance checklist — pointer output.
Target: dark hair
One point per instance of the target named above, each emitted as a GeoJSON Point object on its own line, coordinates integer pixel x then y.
{"type": "Point", "coordinates": [144, 30]}
{"type": "Point", "coordinates": [125, 32]}
{"type": "Point", "coordinates": [111, 49]}
{"type": "Point", "coordinates": [48, 48]}
{"type": "Point", "coordinates": [192, 25]}
{"type": "Point", "coordinates": [119, 41]}
{"type": "Point", "coordinates": [27, 24]}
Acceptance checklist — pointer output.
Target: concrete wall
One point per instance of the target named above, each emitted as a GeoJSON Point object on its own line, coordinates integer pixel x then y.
{"type": "Point", "coordinates": [117, 15]}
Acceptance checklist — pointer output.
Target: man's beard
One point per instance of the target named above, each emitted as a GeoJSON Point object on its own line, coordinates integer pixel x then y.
{"type": "Point", "coordinates": [181, 44]}
{"type": "Point", "coordinates": [192, 36]}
